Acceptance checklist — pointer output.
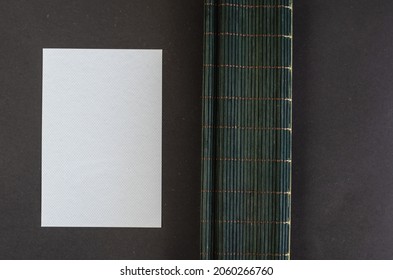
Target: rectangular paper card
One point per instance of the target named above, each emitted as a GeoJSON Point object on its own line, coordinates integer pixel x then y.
{"type": "Point", "coordinates": [101, 138]}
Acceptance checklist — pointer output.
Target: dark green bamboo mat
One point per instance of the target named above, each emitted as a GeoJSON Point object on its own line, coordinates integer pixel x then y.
{"type": "Point", "coordinates": [246, 130]}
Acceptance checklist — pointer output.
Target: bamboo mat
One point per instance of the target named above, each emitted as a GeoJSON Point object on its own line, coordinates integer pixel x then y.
{"type": "Point", "coordinates": [246, 130]}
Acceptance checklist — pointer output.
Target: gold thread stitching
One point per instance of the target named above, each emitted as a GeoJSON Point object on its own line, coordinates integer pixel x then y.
{"type": "Point", "coordinates": [249, 6]}
{"type": "Point", "coordinates": [248, 159]}
{"type": "Point", "coordinates": [246, 254]}
{"type": "Point", "coordinates": [248, 98]}
{"type": "Point", "coordinates": [247, 222]}
{"type": "Point", "coordinates": [246, 35]}
{"type": "Point", "coordinates": [246, 127]}
{"type": "Point", "coordinates": [246, 191]}
{"type": "Point", "coordinates": [247, 67]}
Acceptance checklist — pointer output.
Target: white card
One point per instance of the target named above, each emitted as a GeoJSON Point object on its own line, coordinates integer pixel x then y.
{"type": "Point", "coordinates": [101, 138]}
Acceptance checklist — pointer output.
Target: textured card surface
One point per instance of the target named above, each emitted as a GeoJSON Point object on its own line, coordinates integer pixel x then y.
{"type": "Point", "coordinates": [101, 138]}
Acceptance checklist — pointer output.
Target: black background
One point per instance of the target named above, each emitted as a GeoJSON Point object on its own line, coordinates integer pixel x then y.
{"type": "Point", "coordinates": [343, 125]}
{"type": "Point", "coordinates": [176, 26]}
{"type": "Point", "coordinates": [342, 205]}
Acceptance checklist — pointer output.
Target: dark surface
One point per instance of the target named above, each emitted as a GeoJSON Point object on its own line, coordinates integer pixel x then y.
{"type": "Point", "coordinates": [343, 125]}
{"type": "Point", "coordinates": [342, 205]}
{"type": "Point", "coordinates": [176, 26]}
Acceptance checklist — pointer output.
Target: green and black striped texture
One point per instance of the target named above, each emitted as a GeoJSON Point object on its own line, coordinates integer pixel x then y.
{"type": "Point", "coordinates": [246, 133]}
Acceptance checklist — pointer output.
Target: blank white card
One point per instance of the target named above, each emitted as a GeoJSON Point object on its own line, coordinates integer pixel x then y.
{"type": "Point", "coordinates": [101, 138]}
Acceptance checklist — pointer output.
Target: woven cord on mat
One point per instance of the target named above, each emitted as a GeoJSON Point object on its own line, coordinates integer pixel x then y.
{"type": "Point", "coordinates": [246, 130]}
